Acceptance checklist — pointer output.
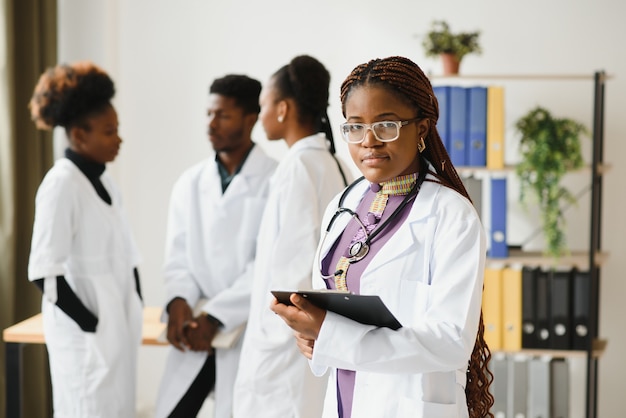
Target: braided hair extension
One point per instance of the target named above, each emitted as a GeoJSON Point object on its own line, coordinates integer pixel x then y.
{"type": "Point", "coordinates": [408, 82]}
{"type": "Point", "coordinates": [306, 81]}
{"type": "Point", "coordinates": [66, 94]}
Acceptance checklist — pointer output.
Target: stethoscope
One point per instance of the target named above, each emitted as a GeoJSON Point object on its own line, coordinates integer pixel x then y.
{"type": "Point", "coordinates": [359, 249]}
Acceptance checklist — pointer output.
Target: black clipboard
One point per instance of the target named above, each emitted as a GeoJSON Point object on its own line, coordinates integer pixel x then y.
{"type": "Point", "coordinates": [366, 309]}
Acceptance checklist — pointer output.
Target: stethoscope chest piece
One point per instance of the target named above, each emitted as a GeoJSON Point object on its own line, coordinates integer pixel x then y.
{"type": "Point", "coordinates": [358, 251]}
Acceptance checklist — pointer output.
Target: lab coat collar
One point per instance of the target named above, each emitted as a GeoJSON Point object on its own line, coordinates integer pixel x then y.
{"type": "Point", "coordinates": [317, 141]}
{"type": "Point", "coordinates": [403, 238]}
{"type": "Point", "coordinates": [211, 186]}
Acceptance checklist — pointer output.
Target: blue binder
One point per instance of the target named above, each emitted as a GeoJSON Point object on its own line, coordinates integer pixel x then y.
{"type": "Point", "coordinates": [457, 118]}
{"type": "Point", "coordinates": [442, 93]}
{"type": "Point", "coordinates": [476, 146]}
{"type": "Point", "coordinates": [498, 248]}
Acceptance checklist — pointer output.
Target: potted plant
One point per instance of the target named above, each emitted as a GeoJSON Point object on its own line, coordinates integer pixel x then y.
{"type": "Point", "coordinates": [550, 147]}
{"type": "Point", "coordinates": [439, 41]}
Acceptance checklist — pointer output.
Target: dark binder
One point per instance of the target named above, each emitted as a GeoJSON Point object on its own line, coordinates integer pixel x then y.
{"type": "Point", "coordinates": [561, 313]}
{"type": "Point", "coordinates": [581, 284]}
{"type": "Point", "coordinates": [542, 309]}
{"type": "Point", "coordinates": [366, 309]}
{"type": "Point", "coordinates": [528, 307]}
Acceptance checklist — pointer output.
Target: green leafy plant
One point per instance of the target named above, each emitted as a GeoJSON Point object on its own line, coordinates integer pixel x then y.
{"type": "Point", "coordinates": [550, 147]}
{"type": "Point", "coordinates": [439, 40]}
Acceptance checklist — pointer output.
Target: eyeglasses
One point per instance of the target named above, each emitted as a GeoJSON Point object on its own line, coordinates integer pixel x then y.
{"type": "Point", "coordinates": [384, 131]}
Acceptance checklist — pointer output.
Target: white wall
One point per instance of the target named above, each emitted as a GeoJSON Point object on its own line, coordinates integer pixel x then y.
{"type": "Point", "coordinates": [163, 55]}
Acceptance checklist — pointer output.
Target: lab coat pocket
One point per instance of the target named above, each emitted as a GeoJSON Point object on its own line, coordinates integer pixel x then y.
{"type": "Point", "coordinates": [95, 367]}
{"type": "Point", "coordinates": [413, 408]}
{"type": "Point", "coordinates": [414, 300]}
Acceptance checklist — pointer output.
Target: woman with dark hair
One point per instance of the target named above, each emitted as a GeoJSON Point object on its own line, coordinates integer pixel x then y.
{"type": "Point", "coordinates": [411, 236]}
{"type": "Point", "coordinates": [83, 256]}
{"type": "Point", "coordinates": [273, 379]}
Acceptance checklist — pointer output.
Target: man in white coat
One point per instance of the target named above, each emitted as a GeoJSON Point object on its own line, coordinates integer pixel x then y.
{"type": "Point", "coordinates": [214, 217]}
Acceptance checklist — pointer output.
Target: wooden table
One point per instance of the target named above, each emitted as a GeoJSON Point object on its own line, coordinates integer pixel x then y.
{"type": "Point", "coordinates": [30, 331]}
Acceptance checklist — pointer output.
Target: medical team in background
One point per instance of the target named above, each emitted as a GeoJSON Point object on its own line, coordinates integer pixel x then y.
{"type": "Point", "coordinates": [240, 225]}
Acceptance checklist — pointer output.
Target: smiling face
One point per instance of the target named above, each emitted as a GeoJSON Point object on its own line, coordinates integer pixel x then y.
{"type": "Point", "coordinates": [383, 161]}
{"type": "Point", "coordinates": [97, 139]}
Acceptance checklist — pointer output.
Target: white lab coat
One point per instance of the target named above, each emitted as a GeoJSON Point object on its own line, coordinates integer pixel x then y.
{"type": "Point", "coordinates": [210, 250]}
{"type": "Point", "coordinates": [430, 275]}
{"type": "Point", "coordinates": [274, 379]}
{"type": "Point", "coordinates": [76, 234]}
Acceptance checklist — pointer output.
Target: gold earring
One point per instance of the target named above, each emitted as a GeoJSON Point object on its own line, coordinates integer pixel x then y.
{"type": "Point", "coordinates": [280, 119]}
{"type": "Point", "coordinates": [421, 145]}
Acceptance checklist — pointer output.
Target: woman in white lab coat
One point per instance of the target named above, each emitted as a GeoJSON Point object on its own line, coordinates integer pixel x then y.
{"type": "Point", "coordinates": [422, 251]}
{"type": "Point", "coordinates": [274, 380]}
{"type": "Point", "coordinates": [83, 255]}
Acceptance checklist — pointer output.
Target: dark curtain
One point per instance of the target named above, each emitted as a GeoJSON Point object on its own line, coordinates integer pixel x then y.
{"type": "Point", "coordinates": [30, 46]}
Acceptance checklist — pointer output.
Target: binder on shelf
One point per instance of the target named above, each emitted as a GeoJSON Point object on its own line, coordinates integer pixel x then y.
{"type": "Point", "coordinates": [499, 367]}
{"type": "Point", "coordinates": [559, 388]}
{"type": "Point", "coordinates": [512, 308]}
{"type": "Point", "coordinates": [581, 284]}
{"type": "Point", "coordinates": [442, 93]}
{"type": "Point", "coordinates": [539, 370]}
{"type": "Point", "coordinates": [495, 127]}
{"type": "Point", "coordinates": [498, 216]}
{"type": "Point", "coordinates": [528, 307]}
{"type": "Point", "coordinates": [492, 307]}
{"type": "Point", "coordinates": [474, 187]}
{"type": "Point", "coordinates": [517, 389]}
{"type": "Point", "coordinates": [560, 307]}
{"type": "Point", "coordinates": [457, 120]}
{"type": "Point", "coordinates": [476, 126]}
{"type": "Point", "coordinates": [542, 309]}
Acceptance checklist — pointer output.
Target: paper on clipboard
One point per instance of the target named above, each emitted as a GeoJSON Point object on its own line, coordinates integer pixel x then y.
{"type": "Point", "coordinates": [366, 309]}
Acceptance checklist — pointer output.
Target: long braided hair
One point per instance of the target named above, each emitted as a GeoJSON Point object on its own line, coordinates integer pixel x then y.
{"type": "Point", "coordinates": [408, 82]}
